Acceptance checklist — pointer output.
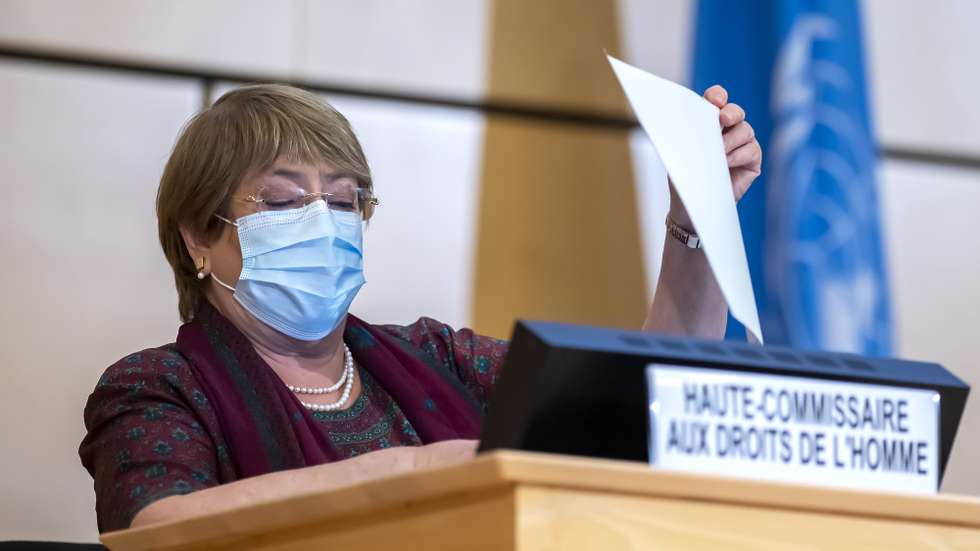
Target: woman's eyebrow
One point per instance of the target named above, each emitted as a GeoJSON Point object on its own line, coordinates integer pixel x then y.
{"type": "Point", "coordinates": [292, 175]}
{"type": "Point", "coordinates": [330, 177]}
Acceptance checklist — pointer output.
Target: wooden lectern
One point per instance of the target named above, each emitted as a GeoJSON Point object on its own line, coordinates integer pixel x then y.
{"type": "Point", "coordinates": [519, 500]}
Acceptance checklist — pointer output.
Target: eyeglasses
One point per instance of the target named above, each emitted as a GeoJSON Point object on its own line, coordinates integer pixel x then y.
{"type": "Point", "coordinates": [287, 197]}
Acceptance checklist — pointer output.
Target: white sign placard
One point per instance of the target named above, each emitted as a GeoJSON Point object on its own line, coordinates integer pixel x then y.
{"type": "Point", "coordinates": [793, 429]}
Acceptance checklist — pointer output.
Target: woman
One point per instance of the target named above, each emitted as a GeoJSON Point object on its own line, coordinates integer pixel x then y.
{"type": "Point", "coordinates": [271, 387]}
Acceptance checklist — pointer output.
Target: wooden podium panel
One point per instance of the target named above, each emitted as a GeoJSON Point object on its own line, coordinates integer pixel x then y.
{"type": "Point", "coordinates": [519, 500]}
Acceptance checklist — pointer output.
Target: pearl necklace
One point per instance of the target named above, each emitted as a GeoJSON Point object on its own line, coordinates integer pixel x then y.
{"type": "Point", "coordinates": [347, 380]}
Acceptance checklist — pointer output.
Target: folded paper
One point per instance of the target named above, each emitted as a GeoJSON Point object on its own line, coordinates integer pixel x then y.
{"type": "Point", "coordinates": [686, 132]}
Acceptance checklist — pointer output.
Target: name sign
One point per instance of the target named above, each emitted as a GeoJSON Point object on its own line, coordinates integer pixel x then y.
{"type": "Point", "coordinates": [793, 429]}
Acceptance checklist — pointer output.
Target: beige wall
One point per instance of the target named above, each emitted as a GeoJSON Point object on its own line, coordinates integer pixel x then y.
{"type": "Point", "coordinates": [81, 153]}
{"type": "Point", "coordinates": [920, 57]}
{"type": "Point", "coordinates": [933, 245]}
{"type": "Point", "coordinates": [418, 46]}
{"type": "Point", "coordinates": [923, 78]}
{"type": "Point", "coordinates": [84, 282]}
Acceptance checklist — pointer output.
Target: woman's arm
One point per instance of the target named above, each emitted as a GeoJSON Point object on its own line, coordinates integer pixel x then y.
{"type": "Point", "coordinates": [687, 300]}
{"type": "Point", "coordinates": [277, 485]}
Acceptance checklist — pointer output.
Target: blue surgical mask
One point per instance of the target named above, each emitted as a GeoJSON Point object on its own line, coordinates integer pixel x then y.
{"type": "Point", "coordinates": [301, 268]}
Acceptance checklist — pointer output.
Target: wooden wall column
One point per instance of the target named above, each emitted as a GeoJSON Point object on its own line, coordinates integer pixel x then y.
{"type": "Point", "coordinates": [558, 235]}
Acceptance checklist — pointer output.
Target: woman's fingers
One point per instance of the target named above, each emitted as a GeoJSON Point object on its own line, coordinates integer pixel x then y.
{"type": "Point", "coordinates": [737, 136]}
{"type": "Point", "coordinates": [717, 95]}
{"type": "Point", "coordinates": [731, 114]}
{"type": "Point", "coordinates": [741, 148]}
{"type": "Point", "coordinates": [748, 155]}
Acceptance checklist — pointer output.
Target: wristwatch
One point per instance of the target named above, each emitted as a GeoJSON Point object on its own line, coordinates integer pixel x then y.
{"type": "Point", "coordinates": [688, 238]}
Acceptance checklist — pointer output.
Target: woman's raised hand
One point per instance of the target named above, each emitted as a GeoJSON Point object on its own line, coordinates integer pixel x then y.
{"type": "Point", "coordinates": [741, 148]}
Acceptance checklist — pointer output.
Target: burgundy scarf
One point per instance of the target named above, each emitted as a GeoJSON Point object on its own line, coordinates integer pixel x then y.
{"type": "Point", "coordinates": [266, 427]}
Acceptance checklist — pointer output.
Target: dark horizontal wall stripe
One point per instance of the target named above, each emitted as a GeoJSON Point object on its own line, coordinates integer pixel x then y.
{"type": "Point", "coordinates": [930, 157]}
{"type": "Point", "coordinates": [511, 109]}
{"type": "Point", "coordinates": [503, 108]}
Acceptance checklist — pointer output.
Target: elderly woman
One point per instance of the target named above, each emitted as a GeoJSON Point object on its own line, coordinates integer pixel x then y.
{"type": "Point", "coordinates": [271, 387]}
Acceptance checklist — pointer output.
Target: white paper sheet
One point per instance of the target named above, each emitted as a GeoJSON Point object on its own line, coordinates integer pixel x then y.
{"type": "Point", "coordinates": [686, 133]}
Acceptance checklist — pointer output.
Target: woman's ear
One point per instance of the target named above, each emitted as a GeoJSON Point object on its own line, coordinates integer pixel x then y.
{"type": "Point", "coordinates": [198, 246]}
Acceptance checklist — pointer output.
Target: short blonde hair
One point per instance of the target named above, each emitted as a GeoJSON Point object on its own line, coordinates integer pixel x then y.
{"type": "Point", "coordinates": [246, 130]}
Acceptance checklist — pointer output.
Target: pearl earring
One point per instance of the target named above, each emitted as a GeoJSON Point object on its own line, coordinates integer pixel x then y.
{"type": "Point", "coordinates": [199, 265]}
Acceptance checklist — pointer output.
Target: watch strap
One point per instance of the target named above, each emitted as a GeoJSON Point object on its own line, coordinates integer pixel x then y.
{"type": "Point", "coordinates": [687, 237]}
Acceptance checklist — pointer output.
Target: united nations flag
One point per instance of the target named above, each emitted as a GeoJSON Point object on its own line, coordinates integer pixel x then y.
{"type": "Point", "coordinates": [811, 222]}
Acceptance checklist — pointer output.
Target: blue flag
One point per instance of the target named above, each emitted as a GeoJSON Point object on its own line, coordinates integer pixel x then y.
{"type": "Point", "coordinates": [810, 222]}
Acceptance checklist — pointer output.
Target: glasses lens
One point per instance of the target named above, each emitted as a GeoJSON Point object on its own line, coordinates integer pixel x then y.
{"type": "Point", "coordinates": [280, 197]}
{"type": "Point", "coordinates": [341, 194]}
{"type": "Point", "coordinates": [342, 202]}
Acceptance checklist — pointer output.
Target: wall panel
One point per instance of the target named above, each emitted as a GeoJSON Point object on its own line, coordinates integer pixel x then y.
{"type": "Point", "coordinates": [921, 58]}
{"type": "Point", "coordinates": [558, 236]}
{"type": "Point", "coordinates": [252, 35]}
{"type": "Point", "coordinates": [85, 280]}
{"type": "Point", "coordinates": [656, 36]}
{"type": "Point", "coordinates": [933, 254]}
{"type": "Point", "coordinates": [433, 47]}
{"type": "Point", "coordinates": [549, 53]}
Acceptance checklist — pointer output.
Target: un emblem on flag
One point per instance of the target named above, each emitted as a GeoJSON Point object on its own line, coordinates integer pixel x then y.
{"type": "Point", "coordinates": [823, 261]}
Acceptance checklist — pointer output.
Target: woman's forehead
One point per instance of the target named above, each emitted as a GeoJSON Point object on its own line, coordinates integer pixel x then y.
{"type": "Point", "coordinates": [286, 167]}
{"type": "Point", "coordinates": [300, 173]}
